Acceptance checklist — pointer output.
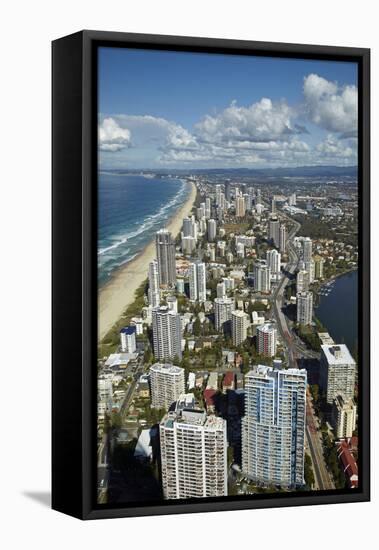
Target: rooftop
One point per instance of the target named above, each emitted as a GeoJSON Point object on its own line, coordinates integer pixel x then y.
{"type": "Point", "coordinates": [166, 368]}
{"type": "Point", "coordinates": [337, 354]}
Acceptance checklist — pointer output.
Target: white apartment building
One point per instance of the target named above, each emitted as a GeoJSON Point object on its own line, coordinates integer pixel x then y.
{"type": "Point", "coordinates": [223, 308]}
{"type": "Point", "coordinates": [193, 455]}
{"type": "Point", "coordinates": [167, 333]}
{"type": "Point", "coordinates": [153, 294]}
{"type": "Point", "coordinates": [128, 339]}
{"type": "Point", "coordinates": [197, 282]}
{"type": "Point", "coordinates": [240, 324]}
{"type": "Point", "coordinates": [262, 277]}
{"type": "Point", "coordinates": [212, 230]}
{"type": "Point", "coordinates": [167, 383]}
{"type": "Point", "coordinates": [304, 302]}
{"type": "Point", "coordinates": [302, 281]}
{"type": "Point", "coordinates": [337, 372]}
{"type": "Point", "coordinates": [273, 259]}
{"type": "Point", "coordinates": [273, 428]}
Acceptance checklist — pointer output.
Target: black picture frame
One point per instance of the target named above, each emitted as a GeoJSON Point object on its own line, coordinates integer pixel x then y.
{"type": "Point", "coordinates": [74, 294]}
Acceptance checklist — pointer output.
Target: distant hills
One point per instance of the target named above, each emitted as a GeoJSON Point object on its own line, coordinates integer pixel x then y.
{"type": "Point", "coordinates": [299, 171]}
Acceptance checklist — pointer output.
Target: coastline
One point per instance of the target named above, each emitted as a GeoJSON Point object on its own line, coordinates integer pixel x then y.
{"type": "Point", "coordinates": [118, 293]}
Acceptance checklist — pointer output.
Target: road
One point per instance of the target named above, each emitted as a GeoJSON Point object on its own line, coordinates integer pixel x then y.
{"type": "Point", "coordinates": [278, 296]}
{"type": "Point", "coordinates": [323, 478]}
{"type": "Point", "coordinates": [295, 347]}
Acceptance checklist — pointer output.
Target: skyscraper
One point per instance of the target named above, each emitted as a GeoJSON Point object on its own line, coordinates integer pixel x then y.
{"type": "Point", "coordinates": [282, 238]}
{"type": "Point", "coordinates": [153, 293]}
{"type": "Point", "coordinates": [167, 334]}
{"type": "Point", "coordinates": [302, 281]}
{"type": "Point", "coordinates": [266, 340]}
{"type": "Point", "coordinates": [273, 261]}
{"type": "Point", "coordinates": [304, 302]}
{"type": "Point", "coordinates": [212, 229]}
{"type": "Point", "coordinates": [165, 247]}
{"type": "Point", "coordinates": [197, 281]}
{"type": "Point", "coordinates": [167, 383]}
{"type": "Point", "coordinates": [240, 207]}
{"type": "Point", "coordinates": [262, 277]}
{"type": "Point", "coordinates": [273, 428]}
{"type": "Point", "coordinates": [240, 324]}
{"type": "Point", "coordinates": [227, 191]}
{"type": "Point", "coordinates": [128, 339]}
{"type": "Point", "coordinates": [344, 415]}
{"type": "Point", "coordinates": [193, 455]}
{"type": "Point", "coordinates": [223, 308]}
{"type": "Point", "coordinates": [274, 233]}
{"type": "Point", "coordinates": [337, 372]}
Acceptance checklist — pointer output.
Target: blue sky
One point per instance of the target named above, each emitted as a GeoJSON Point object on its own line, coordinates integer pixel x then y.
{"type": "Point", "coordinates": [187, 110]}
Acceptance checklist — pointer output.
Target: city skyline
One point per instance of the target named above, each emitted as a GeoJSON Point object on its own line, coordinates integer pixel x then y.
{"type": "Point", "coordinates": [206, 111]}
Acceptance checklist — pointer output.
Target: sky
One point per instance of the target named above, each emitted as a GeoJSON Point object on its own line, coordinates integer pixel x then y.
{"type": "Point", "coordinates": [160, 109]}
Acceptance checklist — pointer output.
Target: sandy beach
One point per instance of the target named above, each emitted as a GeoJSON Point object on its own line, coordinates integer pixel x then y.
{"type": "Point", "coordinates": [118, 293]}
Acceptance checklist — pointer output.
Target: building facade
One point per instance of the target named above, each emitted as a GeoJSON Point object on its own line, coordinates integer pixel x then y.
{"type": "Point", "coordinates": [266, 340]}
{"type": "Point", "coordinates": [167, 333]}
{"type": "Point", "coordinates": [337, 372]}
{"type": "Point", "coordinates": [304, 302]}
{"type": "Point", "coordinates": [197, 282]}
{"type": "Point", "coordinates": [223, 308]}
{"type": "Point", "coordinates": [240, 324]}
{"type": "Point", "coordinates": [166, 385]}
{"type": "Point", "coordinates": [273, 428]}
{"type": "Point", "coordinates": [153, 294]}
{"type": "Point", "coordinates": [193, 455]}
{"type": "Point", "coordinates": [165, 250]}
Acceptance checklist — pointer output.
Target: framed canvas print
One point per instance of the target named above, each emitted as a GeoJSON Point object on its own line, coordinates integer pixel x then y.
{"type": "Point", "coordinates": [210, 275]}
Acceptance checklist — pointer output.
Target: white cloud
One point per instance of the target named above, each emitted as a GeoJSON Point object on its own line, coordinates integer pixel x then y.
{"type": "Point", "coordinates": [262, 121]}
{"type": "Point", "coordinates": [337, 149]}
{"type": "Point", "coordinates": [112, 137]}
{"type": "Point", "coordinates": [329, 106]}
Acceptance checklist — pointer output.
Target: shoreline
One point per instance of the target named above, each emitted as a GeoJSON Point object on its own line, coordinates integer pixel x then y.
{"type": "Point", "coordinates": [119, 292]}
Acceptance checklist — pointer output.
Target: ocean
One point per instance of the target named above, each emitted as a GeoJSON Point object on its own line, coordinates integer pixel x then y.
{"type": "Point", "coordinates": [338, 311]}
{"type": "Point", "coordinates": [131, 209]}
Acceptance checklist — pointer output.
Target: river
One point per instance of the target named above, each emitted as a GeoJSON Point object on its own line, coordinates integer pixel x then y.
{"type": "Point", "coordinates": [338, 311]}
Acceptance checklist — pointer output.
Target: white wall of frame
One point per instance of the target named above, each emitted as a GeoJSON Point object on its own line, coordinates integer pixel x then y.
{"type": "Point", "coordinates": [27, 29]}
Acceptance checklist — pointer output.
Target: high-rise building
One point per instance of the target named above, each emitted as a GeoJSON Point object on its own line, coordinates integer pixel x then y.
{"type": "Point", "coordinates": [319, 267]}
{"type": "Point", "coordinates": [292, 200]}
{"type": "Point", "coordinates": [128, 339]}
{"type": "Point", "coordinates": [240, 324]}
{"type": "Point", "coordinates": [344, 414]}
{"type": "Point", "coordinates": [188, 245]}
{"type": "Point", "coordinates": [274, 231]}
{"type": "Point", "coordinates": [167, 335]}
{"type": "Point", "coordinates": [266, 339]}
{"type": "Point", "coordinates": [273, 206]}
{"type": "Point", "coordinates": [304, 301]}
{"type": "Point", "coordinates": [220, 290]}
{"type": "Point", "coordinates": [212, 230]}
{"type": "Point", "coordinates": [165, 247]}
{"type": "Point", "coordinates": [282, 238]}
{"type": "Point", "coordinates": [262, 277]}
{"type": "Point", "coordinates": [223, 308]}
{"type": "Point", "coordinates": [193, 455]}
{"type": "Point", "coordinates": [240, 207]}
{"type": "Point", "coordinates": [189, 227]}
{"type": "Point", "coordinates": [197, 282]}
{"type": "Point", "coordinates": [302, 281]}
{"type": "Point", "coordinates": [273, 428]}
{"type": "Point", "coordinates": [227, 191]}
{"type": "Point", "coordinates": [273, 261]}
{"type": "Point", "coordinates": [167, 383]}
{"type": "Point", "coordinates": [307, 249]}
{"type": "Point", "coordinates": [337, 372]}
{"type": "Point", "coordinates": [153, 293]}
{"type": "Point", "coordinates": [259, 197]}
